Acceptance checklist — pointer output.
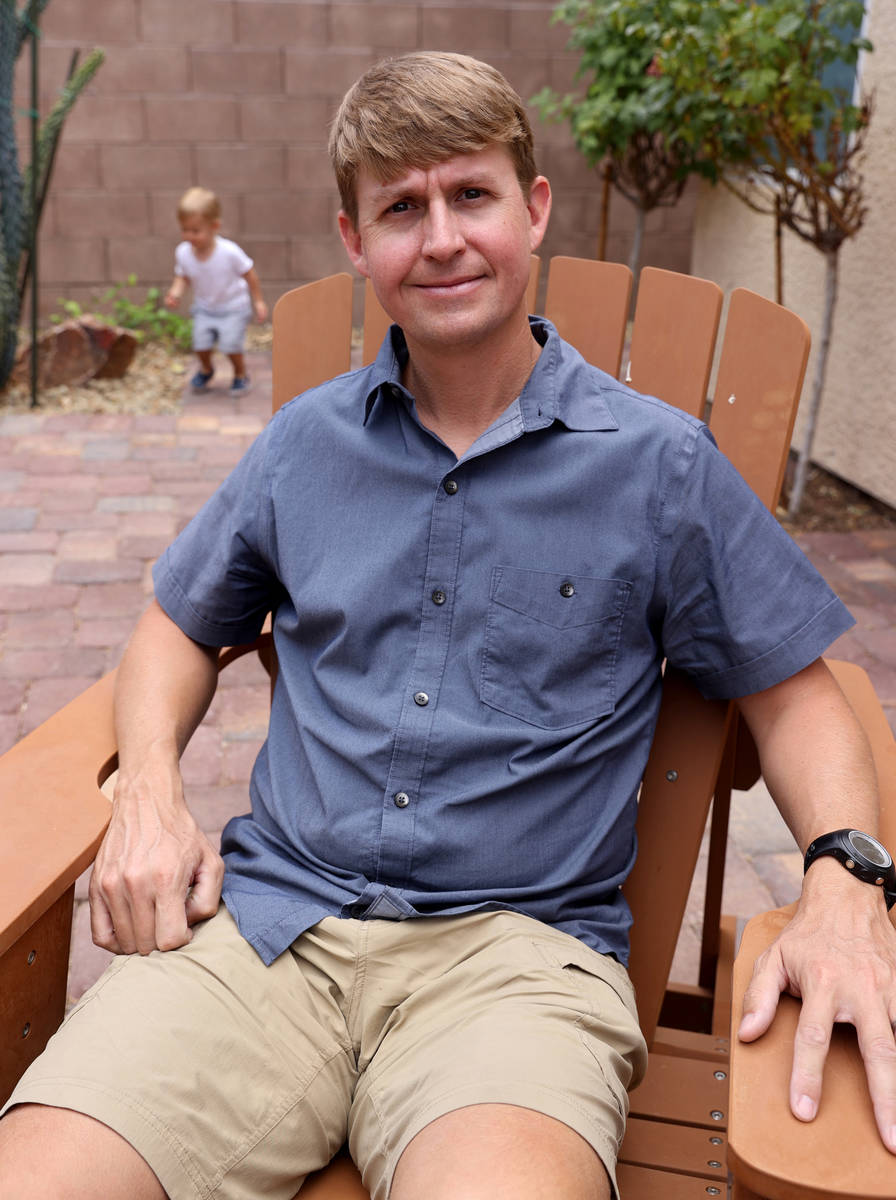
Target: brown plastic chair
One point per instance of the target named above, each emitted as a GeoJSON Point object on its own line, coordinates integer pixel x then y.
{"type": "Point", "coordinates": [53, 815]}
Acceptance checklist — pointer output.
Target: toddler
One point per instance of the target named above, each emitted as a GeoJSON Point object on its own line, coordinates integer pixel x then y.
{"type": "Point", "coordinates": [225, 288]}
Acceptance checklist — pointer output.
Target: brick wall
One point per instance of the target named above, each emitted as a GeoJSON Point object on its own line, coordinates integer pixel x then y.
{"type": "Point", "coordinates": [237, 95]}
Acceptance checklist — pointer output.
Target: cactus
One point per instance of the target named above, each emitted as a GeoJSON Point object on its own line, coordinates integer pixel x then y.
{"type": "Point", "coordinates": [17, 220]}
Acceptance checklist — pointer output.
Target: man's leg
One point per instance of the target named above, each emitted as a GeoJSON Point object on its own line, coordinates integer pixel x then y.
{"type": "Point", "coordinates": [53, 1152]}
{"type": "Point", "coordinates": [499, 1152]}
{"type": "Point", "coordinates": [220, 1072]}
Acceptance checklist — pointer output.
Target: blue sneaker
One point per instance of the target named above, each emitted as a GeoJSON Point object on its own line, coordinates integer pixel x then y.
{"type": "Point", "coordinates": [201, 380]}
{"type": "Point", "coordinates": [241, 384]}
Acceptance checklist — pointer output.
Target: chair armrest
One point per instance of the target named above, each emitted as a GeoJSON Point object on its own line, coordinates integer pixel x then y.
{"type": "Point", "coordinates": [839, 1153]}
{"type": "Point", "coordinates": [52, 812]}
{"type": "Point", "coordinates": [769, 1151]}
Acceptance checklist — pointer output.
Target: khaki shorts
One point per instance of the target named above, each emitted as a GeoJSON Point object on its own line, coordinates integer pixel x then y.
{"type": "Point", "coordinates": [235, 1080]}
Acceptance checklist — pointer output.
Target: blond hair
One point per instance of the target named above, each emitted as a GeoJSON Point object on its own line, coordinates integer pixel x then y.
{"type": "Point", "coordinates": [420, 109]}
{"type": "Point", "coordinates": [199, 202]}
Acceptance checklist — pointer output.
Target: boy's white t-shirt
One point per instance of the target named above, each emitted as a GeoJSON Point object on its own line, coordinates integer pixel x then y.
{"type": "Point", "coordinates": [218, 284]}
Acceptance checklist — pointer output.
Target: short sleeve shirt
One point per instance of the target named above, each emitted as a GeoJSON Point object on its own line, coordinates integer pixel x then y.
{"type": "Point", "coordinates": [470, 649]}
{"type": "Point", "coordinates": [217, 281]}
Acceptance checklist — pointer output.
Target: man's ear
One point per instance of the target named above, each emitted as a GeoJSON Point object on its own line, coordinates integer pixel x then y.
{"type": "Point", "coordinates": [351, 239]}
{"type": "Point", "coordinates": [539, 206]}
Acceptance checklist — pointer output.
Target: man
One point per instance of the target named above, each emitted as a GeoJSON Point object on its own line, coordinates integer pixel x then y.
{"type": "Point", "coordinates": [478, 551]}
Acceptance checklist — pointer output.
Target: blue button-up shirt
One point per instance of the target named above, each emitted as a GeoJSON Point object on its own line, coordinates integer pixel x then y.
{"type": "Point", "coordinates": [470, 649]}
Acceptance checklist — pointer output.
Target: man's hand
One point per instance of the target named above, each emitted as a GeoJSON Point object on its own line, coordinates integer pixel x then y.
{"type": "Point", "coordinates": [839, 955]}
{"type": "Point", "coordinates": [156, 873]}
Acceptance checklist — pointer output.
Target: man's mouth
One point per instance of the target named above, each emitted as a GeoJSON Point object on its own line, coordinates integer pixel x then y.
{"type": "Point", "coordinates": [450, 287]}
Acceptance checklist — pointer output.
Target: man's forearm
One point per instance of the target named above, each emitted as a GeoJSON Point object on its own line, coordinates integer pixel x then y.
{"type": "Point", "coordinates": [156, 874]}
{"type": "Point", "coordinates": [165, 684]}
{"type": "Point", "coordinates": [815, 757]}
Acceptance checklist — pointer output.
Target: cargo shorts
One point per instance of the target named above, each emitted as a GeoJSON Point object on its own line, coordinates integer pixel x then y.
{"type": "Point", "coordinates": [234, 1079]}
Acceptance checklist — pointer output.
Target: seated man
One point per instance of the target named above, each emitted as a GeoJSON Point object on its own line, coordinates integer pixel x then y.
{"type": "Point", "coordinates": [478, 551]}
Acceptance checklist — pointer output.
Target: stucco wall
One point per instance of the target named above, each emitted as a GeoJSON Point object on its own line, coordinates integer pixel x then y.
{"type": "Point", "coordinates": [237, 95]}
{"type": "Point", "coordinates": [856, 436]}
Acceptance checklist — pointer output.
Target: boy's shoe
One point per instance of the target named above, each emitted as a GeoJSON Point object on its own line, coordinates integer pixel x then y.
{"type": "Point", "coordinates": [201, 380]}
{"type": "Point", "coordinates": [241, 384]}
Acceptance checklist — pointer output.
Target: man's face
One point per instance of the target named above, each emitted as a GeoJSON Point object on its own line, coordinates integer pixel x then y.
{"type": "Point", "coordinates": [447, 247]}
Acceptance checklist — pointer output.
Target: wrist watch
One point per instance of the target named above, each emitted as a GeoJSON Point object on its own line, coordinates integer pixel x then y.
{"type": "Point", "coordinates": [859, 853]}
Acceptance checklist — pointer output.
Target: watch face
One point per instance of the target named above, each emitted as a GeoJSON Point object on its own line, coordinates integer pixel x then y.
{"type": "Point", "coordinates": [869, 848]}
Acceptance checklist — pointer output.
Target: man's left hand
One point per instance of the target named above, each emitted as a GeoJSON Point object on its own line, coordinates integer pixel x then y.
{"type": "Point", "coordinates": [838, 955]}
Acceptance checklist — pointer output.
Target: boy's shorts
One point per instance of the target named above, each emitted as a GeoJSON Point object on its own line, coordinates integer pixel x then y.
{"type": "Point", "coordinates": [226, 331]}
{"type": "Point", "coordinates": [235, 1080]}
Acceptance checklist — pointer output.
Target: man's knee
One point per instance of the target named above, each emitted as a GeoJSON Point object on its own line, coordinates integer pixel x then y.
{"type": "Point", "coordinates": [499, 1152]}
{"type": "Point", "coordinates": [50, 1152]}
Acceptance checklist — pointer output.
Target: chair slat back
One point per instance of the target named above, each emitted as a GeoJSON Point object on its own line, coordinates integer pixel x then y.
{"type": "Point", "coordinates": [672, 808]}
{"type": "Point", "coordinates": [761, 369]}
{"type": "Point", "coordinates": [312, 331]}
{"type": "Point", "coordinates": [588, 301]}
{"type": "Point", "coordinates": [674, 337]}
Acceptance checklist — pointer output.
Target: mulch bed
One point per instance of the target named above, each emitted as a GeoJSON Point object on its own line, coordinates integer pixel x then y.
{"type": "Point", "coordinates": [831, 505]}
{"type": "Point", "coordinates": [154, 383]}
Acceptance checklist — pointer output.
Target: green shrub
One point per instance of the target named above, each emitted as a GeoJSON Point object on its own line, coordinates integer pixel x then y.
{"type": "Point", "coordinates": [148, 318]}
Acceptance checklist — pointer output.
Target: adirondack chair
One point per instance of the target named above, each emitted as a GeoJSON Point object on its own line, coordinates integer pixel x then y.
{"type": "Point", "coordinates": [688, 1128]}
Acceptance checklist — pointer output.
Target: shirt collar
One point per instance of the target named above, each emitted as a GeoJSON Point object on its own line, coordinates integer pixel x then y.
{"type": "Point", "coordinates": [385, 372]}
{"type": "Point", "coordinates": [562, 386]}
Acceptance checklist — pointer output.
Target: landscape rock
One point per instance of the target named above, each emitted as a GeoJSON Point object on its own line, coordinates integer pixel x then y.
{"type": "Point", "coordinates": [75, 351]}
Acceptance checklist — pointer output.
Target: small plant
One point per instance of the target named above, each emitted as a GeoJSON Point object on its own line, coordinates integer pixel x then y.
{"type": "Point", "coordinates": [148, 318]}
{"type": "Point", "coordinates": [22, 189]}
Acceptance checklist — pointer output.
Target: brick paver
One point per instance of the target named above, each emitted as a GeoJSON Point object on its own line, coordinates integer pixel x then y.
{"type": "Point", "coordinates": [88, 501]}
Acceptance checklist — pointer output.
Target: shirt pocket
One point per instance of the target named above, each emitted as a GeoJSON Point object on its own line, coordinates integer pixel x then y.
{"type": "Point", "coordinates": [551, 644]}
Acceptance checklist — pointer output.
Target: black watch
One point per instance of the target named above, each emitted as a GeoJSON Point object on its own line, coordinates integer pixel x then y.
{"type": "Point", "coordinates": [861, 854]}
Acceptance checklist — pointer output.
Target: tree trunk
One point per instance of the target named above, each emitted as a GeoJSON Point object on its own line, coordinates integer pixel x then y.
{"type": "Point", "coordinates": [827, 324]}
{"type": "Point", "coordinates": [634, 258]}
{"type": "Point", "coordinates": [604, 213]}
{"type": "Point", "coordinates": [779, 253]}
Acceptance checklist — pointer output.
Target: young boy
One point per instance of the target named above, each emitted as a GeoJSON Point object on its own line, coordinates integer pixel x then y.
{"type": "Point", "coordinates": [225, 288]}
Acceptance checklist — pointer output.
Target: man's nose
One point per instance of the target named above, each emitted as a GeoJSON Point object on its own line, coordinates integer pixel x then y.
{"type": "Point", "coordinates": [442, 235]}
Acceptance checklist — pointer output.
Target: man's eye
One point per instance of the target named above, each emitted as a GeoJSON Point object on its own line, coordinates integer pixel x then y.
{"type": "Point", "coordinates": [400, 206]}
{"type": "Point", "coordinates": [471, 193]}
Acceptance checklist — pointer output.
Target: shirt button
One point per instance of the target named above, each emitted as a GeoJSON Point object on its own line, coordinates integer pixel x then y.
{"type": "Point", "coordinates": [450, 486]}
{"type": "Point", "coordinates": [401, 799]}
{"type": "Point", "coordinates": [421, 699]}
{"type": "Point", "coordinates": [567, 590]}
{"type": "Point", "coordinates": [438, 596]}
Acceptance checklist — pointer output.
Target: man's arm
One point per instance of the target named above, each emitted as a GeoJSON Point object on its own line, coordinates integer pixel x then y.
{"type": "Point", "coordinates": [156, 874]}
{"type": "Point", "coordinates": [839, 951]}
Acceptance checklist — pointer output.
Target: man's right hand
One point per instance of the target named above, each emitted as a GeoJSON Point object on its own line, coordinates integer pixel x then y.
{"type": "Point", "coordinates": [156, 873]}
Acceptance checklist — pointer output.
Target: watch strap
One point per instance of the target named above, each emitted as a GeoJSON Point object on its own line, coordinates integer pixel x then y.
{"type": "Point", "coordinates": [837, 846]}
